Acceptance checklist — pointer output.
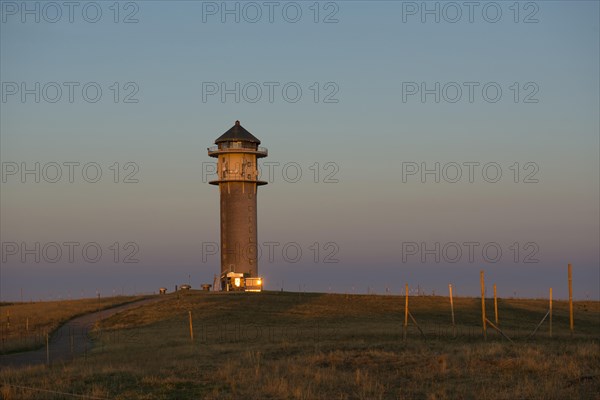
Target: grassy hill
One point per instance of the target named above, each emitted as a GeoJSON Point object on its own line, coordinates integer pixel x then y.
{"type": "Point", "coordinates": [23, 326]}
{"type": "Point", "coordinates": [276, 345]}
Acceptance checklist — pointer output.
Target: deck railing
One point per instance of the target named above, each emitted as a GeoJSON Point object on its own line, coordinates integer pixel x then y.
{"type": "Point", "coordinates": [236, 147]}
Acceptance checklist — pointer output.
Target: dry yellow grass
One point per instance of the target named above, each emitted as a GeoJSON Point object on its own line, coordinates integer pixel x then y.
{"type": "Point", "coordinates": [23, 325]}
{"type": "Point", "coordinates": [317, 346]}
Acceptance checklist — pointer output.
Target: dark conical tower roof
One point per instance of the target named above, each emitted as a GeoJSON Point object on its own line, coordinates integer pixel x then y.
{"type": "Point", "coordinates": [237, 133]}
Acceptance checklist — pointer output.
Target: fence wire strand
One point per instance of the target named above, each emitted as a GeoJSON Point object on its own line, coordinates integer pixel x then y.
{"type": "Point", "coordinates": [79, 396]}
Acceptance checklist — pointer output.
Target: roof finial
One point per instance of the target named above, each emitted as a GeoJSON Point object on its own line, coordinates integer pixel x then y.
{"type": "Point", "coordinates": [237, 122]}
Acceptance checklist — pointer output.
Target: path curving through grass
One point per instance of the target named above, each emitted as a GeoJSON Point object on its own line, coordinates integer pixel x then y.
{"type": "Point", "coordinates": [70, 340]}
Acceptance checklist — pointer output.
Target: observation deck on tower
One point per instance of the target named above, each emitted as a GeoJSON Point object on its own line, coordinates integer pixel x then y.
{"type": "Point", "coordinates": [237, 152]}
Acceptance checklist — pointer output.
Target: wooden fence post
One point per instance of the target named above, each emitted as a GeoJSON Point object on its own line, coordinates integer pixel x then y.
{"type": "Point", "coordinates": [452, 310]}
{"type": "Point", "coordinates": [191, 327]}
{"type": "Point", "coordinates": [570, 298]}
{"type": "Point", "coordinates": [550, 307]}
{"type": "Point", "coordinates": [495, 306]}
{"type": "Point", "coordinates": [481, 281]}
{"type": "Point", "coordinates": [405, 312]}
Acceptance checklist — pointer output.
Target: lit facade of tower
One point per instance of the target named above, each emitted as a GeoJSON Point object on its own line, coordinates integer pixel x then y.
{"type": "Point", "coordinates": [237, 152]}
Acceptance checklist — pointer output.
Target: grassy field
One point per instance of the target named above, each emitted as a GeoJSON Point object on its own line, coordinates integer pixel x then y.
{"type": "Point", "coordinates": [23, 326]}
{"type": "Point", "coordinates": [276, 345]}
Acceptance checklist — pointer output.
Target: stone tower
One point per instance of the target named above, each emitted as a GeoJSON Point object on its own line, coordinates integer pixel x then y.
{"type": "Point", "coordinates": [237, 152]}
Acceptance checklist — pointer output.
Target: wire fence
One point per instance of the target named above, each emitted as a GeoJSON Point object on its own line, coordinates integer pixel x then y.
{"type": "Point", "coordinates": [28, 392]}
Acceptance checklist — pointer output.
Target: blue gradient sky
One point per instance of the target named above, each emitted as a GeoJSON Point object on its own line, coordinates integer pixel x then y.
{"type": "Point", "coordinates": [368, 134]}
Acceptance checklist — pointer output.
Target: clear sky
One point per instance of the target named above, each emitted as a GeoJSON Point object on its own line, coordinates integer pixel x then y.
{"type": "Point", "coordinates": [387, 91]}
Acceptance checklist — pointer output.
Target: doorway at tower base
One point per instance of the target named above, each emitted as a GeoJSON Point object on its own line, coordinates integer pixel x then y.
{"type": "Point", "coordinates": [240, 282]}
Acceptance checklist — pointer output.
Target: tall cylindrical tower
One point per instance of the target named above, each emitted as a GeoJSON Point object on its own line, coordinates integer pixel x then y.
{"type": "Point", "coordinates": [237, 152]}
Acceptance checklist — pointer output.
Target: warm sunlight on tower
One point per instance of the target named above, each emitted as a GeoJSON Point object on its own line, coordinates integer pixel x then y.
{"type": "Point", "coordinates": [238, 152]}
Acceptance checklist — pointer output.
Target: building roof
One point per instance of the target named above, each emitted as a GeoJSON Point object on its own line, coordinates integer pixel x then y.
{"type": "Point", "coordinates": [237, 133]}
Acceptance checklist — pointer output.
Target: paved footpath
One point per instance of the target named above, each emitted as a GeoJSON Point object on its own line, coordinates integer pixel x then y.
{"type": "Point", "coordinates": [69, 340]}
